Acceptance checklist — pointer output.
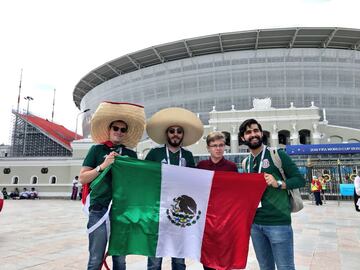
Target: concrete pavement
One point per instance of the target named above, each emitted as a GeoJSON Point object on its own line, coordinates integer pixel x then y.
{"type": "Point", "coordinates": [50, 234]}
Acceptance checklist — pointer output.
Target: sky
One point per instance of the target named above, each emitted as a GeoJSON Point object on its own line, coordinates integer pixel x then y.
{"type": "Point", "coordinates": [55, 43]}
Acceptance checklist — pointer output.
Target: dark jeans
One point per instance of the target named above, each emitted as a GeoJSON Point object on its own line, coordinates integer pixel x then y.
{"type": "Point", "coordinates": [356, 198]}
{"type": "Point", "coordinates": [317, 198]}
{"type": "Point", "coordinates": [74, 193]}
{"type": "Point", "coordinates": [154, 263]}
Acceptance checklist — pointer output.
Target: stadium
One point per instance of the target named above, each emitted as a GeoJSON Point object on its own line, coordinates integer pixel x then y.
{"type": "Point", "coordinates": [289, 65]}
{"type": "Point", "coordinates": [302, 84]}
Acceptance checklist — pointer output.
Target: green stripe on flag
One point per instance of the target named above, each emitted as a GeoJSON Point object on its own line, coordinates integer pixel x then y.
{"type": "Point", "coordinates": [135, 210]}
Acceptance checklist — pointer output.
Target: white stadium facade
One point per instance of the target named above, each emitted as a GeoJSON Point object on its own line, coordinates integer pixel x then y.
{"type": "Point", "coordinates": [302, 84]}
{"type": "Point", "coordinates": [297, 65]}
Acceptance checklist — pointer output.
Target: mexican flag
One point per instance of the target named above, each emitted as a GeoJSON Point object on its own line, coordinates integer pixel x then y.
{"type": "Point", "coordinates": [164, 210]}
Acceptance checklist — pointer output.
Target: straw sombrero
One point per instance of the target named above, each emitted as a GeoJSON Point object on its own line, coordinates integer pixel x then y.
{"type": "Point", "coordinates": [107, 112]}
{"type": "Point", "coordinates": [158, 124]}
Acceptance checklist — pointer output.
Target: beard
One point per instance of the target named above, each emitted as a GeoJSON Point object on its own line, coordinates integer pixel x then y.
{"type": "Point", "coordinates": [175, 143]}
{"type": "Point", "coordinates": [254, 145]}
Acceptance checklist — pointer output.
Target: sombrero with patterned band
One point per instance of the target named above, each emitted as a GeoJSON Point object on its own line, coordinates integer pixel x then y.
{"type": "Point", "coordinates": [158, 124]}
{"type": "Point", "coordinates": [107, 112]}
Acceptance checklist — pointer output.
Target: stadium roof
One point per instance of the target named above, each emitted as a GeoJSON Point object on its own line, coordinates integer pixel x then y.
{"type": "Point", "coordinates": [301, 37]}
{"type": "Point", "coordinates": [56, 132]}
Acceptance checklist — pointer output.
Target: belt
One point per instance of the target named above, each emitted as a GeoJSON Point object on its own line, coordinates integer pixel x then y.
{"type": "Point", "coordinates": [96, 207]}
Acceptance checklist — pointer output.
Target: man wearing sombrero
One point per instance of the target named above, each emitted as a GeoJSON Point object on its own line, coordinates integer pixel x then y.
{"type": "Point", "coordinates": [174, 128]}
{"type": "Point", "coordinates": [115, 127]}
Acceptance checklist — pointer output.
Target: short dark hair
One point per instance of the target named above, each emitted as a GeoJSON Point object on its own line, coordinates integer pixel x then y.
{"type": "Point", "coordinates": [247, 124]}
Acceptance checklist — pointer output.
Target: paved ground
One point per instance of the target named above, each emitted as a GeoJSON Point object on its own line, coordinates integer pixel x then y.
{"type": "Point", "coordinates": [50, 234]}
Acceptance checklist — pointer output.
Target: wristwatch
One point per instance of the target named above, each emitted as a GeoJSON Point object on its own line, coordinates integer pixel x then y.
{"type": "Point", "coordinates": [98, 169]}
{"type": "Point", "coordinates": [279, 182]}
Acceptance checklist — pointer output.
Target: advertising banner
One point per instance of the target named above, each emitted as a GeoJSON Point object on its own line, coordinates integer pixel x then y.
{"type": "Point", "coordinates": [315, 149]}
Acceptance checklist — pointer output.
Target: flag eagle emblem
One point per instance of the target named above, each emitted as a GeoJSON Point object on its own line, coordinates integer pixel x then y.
{"type": "Point", "coordinates": [183, 212]}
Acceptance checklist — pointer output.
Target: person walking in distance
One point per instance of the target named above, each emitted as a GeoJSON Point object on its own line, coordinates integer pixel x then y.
{"type": "Point", "coordinates": [316, 189]}
{"type": "Point", "coordinates": [75, 188]}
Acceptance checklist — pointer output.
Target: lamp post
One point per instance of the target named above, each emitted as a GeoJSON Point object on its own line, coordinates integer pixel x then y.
{"type": "Point", "coordinates": [309, 176]}
{"type": "Point", "coordinates": [340, 180]}
{"type": "Point", "coordinates": [28, 99]}
{"type": "Point", "coordinates": [77, 118]}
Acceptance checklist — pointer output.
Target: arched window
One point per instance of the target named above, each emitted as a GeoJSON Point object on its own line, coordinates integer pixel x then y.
{"type": "Point", "coordinates": [266, 136]}
{"type": "Point", "coordinates": [15, 180]}
{"type": "Point", "coordinates": [34, 180]}
{"type": "Point", "coordinates": [53, 179]}
{"type": "Point", "coordinates": [284, 137]}
{"type": "Point", "coordinates": [304, 135]}
{"type": "Point", "coordinates": [227, 137]}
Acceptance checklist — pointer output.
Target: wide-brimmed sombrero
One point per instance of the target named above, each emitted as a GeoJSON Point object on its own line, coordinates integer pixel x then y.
{"type": "Point", "coordinates": [107, 112]}
{"type": "Point", "coordinates": [158, 124]}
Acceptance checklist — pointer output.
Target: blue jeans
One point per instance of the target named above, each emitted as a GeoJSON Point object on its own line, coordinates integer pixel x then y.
{"type": "Point", "coordinates": [273, 245]}
{"type": "Point", "coordinates": [97, 244]}
{"type": "Point", "coordinates": [154, 263]}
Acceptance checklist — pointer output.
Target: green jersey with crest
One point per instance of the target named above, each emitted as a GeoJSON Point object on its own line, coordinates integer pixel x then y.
{"type": "Point", "coordinates": [275, 206]}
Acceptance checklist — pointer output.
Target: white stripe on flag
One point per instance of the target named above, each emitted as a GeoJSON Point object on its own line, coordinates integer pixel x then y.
{"type": "Point", "coordinates": [174, 240]}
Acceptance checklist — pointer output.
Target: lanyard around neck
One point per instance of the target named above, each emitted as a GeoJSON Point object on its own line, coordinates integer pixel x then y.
{"type": "Point", "coordinates": [168, 156]}
{"type": "Point", "coordinates": [261, 160]}
{"type": "Point", "coordinates": [117, 149]}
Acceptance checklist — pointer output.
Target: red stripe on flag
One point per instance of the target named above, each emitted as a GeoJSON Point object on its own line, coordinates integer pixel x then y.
{"type": "Point", "coordinates": [233, 201]}
{"type": "Point", "coordinates": [85, 193]}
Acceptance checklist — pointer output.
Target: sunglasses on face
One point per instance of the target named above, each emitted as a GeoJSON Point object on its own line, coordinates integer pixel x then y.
{"type": "Point", "coordinates": [177, 130]}
{"type": "Point", "coordinates": [115, 128]}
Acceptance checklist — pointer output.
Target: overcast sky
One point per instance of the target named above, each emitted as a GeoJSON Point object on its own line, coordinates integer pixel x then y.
{"type": "Point", "coordinates": [57, 42]}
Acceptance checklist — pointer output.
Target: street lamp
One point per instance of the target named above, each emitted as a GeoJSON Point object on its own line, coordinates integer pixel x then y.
{"type": "Point", "coordinates": [77, 118]}
{"type": "Point", "coordinates": [309, 175]}
{"type": "Point", "coordinates": [340, 180]}
{"type": "Point", "coordinates": [28, 98]}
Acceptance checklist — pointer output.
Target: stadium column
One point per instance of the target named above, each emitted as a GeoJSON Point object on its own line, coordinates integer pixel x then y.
{"type": "Point", "coordinates": [316, 136]}
{"type": "Point", "coordinates": [234, 143]}
{"type": "Point", "coordinates": [274, 136]}
{"type": "Point", "coordinates": [294, 137]}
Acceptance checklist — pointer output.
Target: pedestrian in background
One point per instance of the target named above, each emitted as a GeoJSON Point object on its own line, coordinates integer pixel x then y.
{"type": "Point", "coordinates": [357, 192]}
{"type": "Point", "coordinates": [316, 189]}
{"type": "Point", "coordinates": [75, 188]}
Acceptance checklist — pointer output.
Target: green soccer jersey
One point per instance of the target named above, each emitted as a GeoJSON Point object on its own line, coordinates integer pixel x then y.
{"type": "Point", "coordinates": [159, 155]}
{"type": "Point", "coordinates": [96, 155]}
{"type": "Point", "coordinates": [275, 205]}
